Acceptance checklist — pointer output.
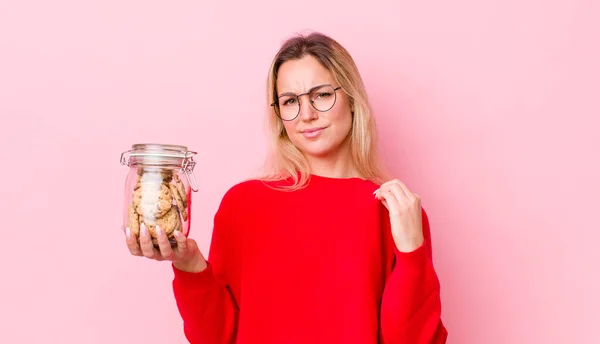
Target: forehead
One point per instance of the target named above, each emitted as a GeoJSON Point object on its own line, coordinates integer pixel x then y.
{"type": "Point", "coordinates": [297, 76]}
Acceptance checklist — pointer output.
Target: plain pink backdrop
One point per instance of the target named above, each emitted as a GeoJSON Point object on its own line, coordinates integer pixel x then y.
{"type": "Point", "coordinates": [488, 109]}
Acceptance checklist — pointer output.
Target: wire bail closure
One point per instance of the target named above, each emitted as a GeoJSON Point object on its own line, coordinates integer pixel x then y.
{"type": "Point", "coordinates": [187, 162]}
{"type": "Point", "coordinates": [187, 166]}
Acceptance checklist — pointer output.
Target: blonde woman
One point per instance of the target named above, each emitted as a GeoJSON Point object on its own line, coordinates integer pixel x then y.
{"type": "Point", "coordinates": [324, 248]}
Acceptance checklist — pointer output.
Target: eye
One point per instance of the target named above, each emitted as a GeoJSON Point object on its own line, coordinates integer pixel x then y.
{"type": "Point", "coordinates": [323, 95]}
{"type": "Point", "coordinates": [288, 101]}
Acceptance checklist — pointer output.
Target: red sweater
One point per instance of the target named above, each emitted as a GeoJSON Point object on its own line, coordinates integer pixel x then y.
{"type": "Point", "coordinates": [317, 265]}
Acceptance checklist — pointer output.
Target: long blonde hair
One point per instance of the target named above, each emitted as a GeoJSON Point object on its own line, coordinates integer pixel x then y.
{"type": "Point", "coordinates": [285, 161]}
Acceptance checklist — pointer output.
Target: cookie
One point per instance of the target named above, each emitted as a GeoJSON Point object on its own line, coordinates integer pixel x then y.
{"type": "Point", "coordinates": [179, 201]}
{"type": "Point", "coordinates": [171, 238]}
{"type": "Point", "coordinates": [134, 220]}
{"type": "Point", "coordinates": [138, 183]}
{"type": "Point", "coordinates": [181, 189]}
{"type": "Point", "coordinates": [169, 223]}
{"type": "Point", "coordinates": [152, 200]}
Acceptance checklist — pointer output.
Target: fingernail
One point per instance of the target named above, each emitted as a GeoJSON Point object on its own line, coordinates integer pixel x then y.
{"type": "Point", "coordinates": [158, 230]}
{"type": "Point", "coordinates": [144, 229]}
{"type": "Point", "coordinates": [128, 233]}
{"type": "Point", "coordinates": [178, 234]}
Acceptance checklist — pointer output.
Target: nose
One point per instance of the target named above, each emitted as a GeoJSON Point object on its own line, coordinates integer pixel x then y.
{"type": "Point", "coordinates": [307, 111]}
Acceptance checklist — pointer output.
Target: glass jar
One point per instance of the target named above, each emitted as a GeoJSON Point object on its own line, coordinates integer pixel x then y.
{"type": "Point", "coordinates": [158, 189]}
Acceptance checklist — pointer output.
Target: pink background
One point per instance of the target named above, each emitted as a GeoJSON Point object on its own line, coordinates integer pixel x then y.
{"type": "Point", "coordinates": [488, 109]}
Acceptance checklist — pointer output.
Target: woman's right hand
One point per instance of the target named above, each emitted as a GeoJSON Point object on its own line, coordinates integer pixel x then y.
{"type": "Point", "coordinates": [186, 256]}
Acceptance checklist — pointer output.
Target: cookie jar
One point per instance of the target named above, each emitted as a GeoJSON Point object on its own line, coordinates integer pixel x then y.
{"type": "Point", "coordinates": [158, 189]}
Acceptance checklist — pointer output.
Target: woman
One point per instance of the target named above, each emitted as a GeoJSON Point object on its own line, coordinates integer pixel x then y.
{"type": "Point", "coordinates": [324, 248]}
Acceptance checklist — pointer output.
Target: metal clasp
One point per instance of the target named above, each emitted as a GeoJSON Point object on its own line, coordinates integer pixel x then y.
{"type": "Point", "coordinates": [187, 165]}
{"type": "Point", "coordinates": [123, 161]}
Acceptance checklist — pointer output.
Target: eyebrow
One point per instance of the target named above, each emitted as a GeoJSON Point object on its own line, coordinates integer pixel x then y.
{"type": "Point", "coordinates": [294, 94]}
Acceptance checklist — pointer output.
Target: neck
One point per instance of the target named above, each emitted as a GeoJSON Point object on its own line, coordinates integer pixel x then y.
{"type": "Point", "coordinates": [334, 165]}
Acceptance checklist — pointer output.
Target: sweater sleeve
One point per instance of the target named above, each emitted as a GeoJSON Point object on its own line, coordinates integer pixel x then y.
{"type": "Point", "coordinates": [204, 299]}
{"type": "Point", "coordinates": [411, 304]}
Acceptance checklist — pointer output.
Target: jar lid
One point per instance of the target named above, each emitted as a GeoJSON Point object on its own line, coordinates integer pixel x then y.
{"type": "Point", "coordinates": [162, 155]}
{"type": "Point", "coordinates": [156, 154]}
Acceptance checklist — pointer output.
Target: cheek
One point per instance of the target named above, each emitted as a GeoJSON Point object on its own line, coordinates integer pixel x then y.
{"type": "Point", "coordinates": [289, 127]}
{"type": "Point", "coordinates": [292, 133]}
{"type": "Point", "coordinates": [342, 120]}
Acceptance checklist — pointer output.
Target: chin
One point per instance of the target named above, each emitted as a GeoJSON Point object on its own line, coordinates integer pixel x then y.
{"type": "Point", "coordinates": [318, 149]}
{"type": "Point", "coordinates": [317, 153]}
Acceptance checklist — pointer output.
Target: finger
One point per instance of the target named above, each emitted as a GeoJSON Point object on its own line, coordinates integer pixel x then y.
{"type": "Point", "coordinates": [391, 202]}
{"type": "Point", "coordinates": [163, 243]}
{"type": "Point", "coordinates": [181, 244]}
{"type": "Point", "coordinates": [417, 198]}
{"type": "Point", "coordinates": [384, 202]}
{"type": "Point", "coordinates": [414, 200]}
{"type": "Point", "coordinates": [405, 189]}
{"type": "Point", "coordinates": [400, 196]}
{"type": "Point", "coordinates": [132, 244]}
{"type": "Point", "coordinates": [385, 186]}
{"type": "Point", "coordinates": [398, 183]}
{"type": "Point", "coordinates": [377, 193]}
{"type": "Point", "coordinates": [146, 245]}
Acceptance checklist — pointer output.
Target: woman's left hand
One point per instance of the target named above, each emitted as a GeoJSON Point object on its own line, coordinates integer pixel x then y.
{"type": "Point", "coordinates": [404, 208]}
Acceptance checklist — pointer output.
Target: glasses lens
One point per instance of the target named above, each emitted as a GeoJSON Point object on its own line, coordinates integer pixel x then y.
{"type": "Point", "coordinates": [288, 107]}
{"type": "Point", "coordinates": [323, 98]}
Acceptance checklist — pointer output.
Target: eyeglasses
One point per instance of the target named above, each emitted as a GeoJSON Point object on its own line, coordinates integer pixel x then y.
{"type": "Point", "coordinates": [322, 98]}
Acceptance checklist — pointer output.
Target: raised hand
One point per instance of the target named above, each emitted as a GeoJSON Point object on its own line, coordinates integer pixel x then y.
{"type": "Point", "coordinates": [404, 208]}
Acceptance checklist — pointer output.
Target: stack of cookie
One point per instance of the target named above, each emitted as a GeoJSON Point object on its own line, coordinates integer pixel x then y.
{"type": "Point", "coordinates": [159, 199]}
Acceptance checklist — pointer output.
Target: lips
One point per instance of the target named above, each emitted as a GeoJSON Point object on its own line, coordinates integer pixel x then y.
{"type": "Point", "coordinates": [312, 130]}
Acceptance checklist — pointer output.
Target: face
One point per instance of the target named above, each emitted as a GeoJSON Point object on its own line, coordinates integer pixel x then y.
{"type": "Point", "coordinates": [313, 132]}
